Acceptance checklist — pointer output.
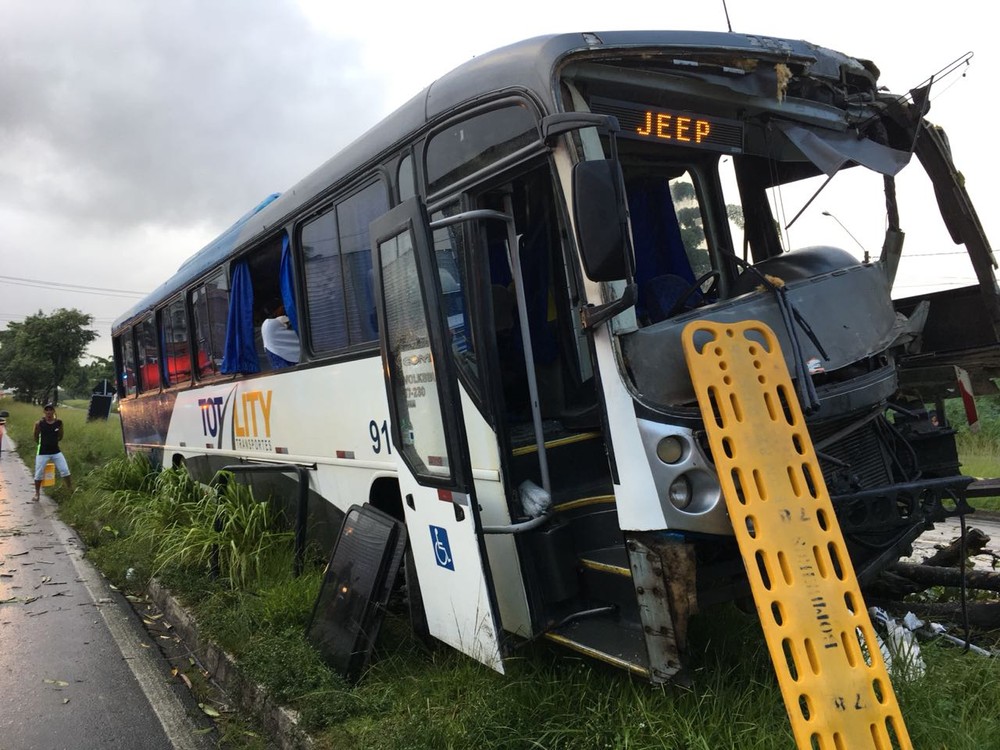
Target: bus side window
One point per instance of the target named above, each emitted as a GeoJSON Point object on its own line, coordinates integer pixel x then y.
{"type": "Point", "coordinates": [671, 250]}
{"type": "Point", "coordinates": [336, 260]}
{"type": "Point", "coordinates": [267, 270]}
{"type": "Point", "coordinates": [692, 224]}
{"type": "Point", "coordinates": [324, 283]}
{"type": "Point", "coordinates": [406, 178]}
{"type": "Point", "coordinates": [174, 340]}
{"type": "Point", "coordinates": [468, 145]}
{"type": "Point", "coordinates": [450, 252]}
{"type": "Point", "coordinates": [209, 307]}
{"type": "Point", "coordinates": [353, 217]}
{"type": "Point", "coordinates": [126, 364]}
{"type": "Point", "coordinates": [147, 353]}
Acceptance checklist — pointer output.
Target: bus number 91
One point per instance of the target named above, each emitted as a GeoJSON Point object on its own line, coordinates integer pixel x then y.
{"type": "Point", "coordinates": [380, 434]}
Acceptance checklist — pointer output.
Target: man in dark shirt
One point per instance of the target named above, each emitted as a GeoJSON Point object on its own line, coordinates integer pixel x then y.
{"type": "Point", "coordinates": [48, 433]}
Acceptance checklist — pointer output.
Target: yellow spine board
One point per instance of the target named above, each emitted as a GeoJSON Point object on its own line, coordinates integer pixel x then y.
{"type": "Point", "coordinates": [832, 677]}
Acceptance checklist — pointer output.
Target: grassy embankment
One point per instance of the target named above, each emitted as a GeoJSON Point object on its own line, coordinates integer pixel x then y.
{"type": "Point", "coordinates": [416, 698]}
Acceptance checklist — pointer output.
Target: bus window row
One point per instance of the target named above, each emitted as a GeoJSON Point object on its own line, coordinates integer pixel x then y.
{"type": "Point", "coordinates": [245, 318]}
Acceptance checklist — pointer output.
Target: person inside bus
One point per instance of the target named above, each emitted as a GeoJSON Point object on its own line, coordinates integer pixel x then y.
{"type": "Point", "coordinates": [281, 342]}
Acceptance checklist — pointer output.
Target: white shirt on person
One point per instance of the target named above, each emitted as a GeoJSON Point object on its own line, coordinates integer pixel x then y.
{"type": "Point", "coordinates": [280, 339]}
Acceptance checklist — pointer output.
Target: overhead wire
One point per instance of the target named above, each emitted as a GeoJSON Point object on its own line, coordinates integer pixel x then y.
{"type": "Point", "coordinates": [63, 286]}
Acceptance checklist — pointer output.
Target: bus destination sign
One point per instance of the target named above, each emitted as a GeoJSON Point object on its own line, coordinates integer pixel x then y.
{"type": "Point", "coordinates": [673, 127]}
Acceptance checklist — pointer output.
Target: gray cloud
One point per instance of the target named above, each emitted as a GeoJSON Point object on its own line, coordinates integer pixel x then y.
{"type": "Point", "coordinates": [135, 112]}
{"type": "Point", "coordinates": [132, 131]}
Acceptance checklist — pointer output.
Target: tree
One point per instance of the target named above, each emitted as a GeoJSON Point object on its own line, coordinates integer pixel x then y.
{"type": "Point", "coordinates": [20, 369]}
{"type": "Point", "coordinates": [691, 223]}
{"type": "Point", "coordinates": [82, 380]}
{"type": "Point", "coordinates": [37, 354]}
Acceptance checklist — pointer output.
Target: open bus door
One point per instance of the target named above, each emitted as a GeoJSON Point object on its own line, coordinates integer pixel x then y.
{"type": "Point", "coordinates": [428, 433]}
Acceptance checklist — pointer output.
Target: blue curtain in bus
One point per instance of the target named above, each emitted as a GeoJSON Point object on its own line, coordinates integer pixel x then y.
{"type": "Point", "coordinates": [659, 250]}
{"type": "Point", "coordinates": [288, 283]}
{"type": "Point", "coordinates": [240, 353]}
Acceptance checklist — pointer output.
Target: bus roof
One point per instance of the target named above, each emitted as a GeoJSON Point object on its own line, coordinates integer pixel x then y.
{"type": "Point", "coordinates": [526, 65]}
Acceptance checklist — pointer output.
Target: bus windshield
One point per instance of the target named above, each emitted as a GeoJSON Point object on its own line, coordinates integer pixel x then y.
{"type": "Point", "coordinates": [731, 167]}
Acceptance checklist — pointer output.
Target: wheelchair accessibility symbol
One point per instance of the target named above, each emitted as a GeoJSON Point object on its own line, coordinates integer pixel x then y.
{"type": "Point", "coordinates": [442, 550]}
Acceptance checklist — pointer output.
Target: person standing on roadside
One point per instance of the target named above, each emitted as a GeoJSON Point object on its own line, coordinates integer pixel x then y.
{"type": "Point", "coordinates": [48, 433]}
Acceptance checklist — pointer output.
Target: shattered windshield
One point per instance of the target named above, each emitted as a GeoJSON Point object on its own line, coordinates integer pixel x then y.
{"type": "Point", "coordinates": [806, 162]}
{"type": "Point", "coordinates": [741, 180]}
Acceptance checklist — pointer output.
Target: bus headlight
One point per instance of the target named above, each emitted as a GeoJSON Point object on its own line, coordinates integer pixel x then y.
{"type": "Point", "coordinates": [670, 449]}
{"type": "Point", "coordinates": [680, 492]}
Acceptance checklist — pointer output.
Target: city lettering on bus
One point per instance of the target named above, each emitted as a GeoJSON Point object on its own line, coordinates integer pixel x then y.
{"type": "Point", "coordinates": [491, 290]}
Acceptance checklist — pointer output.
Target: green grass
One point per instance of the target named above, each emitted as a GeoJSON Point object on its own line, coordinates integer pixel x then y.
{"type": "Point", "coordinates": [549, 699]}
{"type": "Point", "coordinates": [980, 458]}
{"type": "Point", "coordinates": [137, 523]}
{"type": "Point", "coordinates": [190, 525]}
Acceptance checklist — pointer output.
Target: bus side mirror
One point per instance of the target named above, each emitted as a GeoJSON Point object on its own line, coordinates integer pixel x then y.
{"type": "Point", "coordinates": [598, 210]}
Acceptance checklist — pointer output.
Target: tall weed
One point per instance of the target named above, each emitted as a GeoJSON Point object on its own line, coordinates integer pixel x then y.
{"type": "Point", "coordinates": [222, 526]}
{"type": "Point", "coordinates": [121, 473]}
{"type": "Point", "coordinates": [189, 525]}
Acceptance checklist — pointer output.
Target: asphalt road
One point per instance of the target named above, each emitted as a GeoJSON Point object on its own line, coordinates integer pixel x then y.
{"type": "Point", "coordinates": [77, 669]}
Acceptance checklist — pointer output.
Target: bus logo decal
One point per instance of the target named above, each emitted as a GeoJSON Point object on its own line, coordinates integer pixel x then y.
{"type": "Point", "coordinates": [442, 550]}
{"type": "Point", "coordinates": [252, 421]}
{"type": "Point", "coordinates": [211, 415]}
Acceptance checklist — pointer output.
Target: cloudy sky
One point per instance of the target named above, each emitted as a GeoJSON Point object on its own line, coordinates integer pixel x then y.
{"type": "Point", "coordinates": [134, 131]}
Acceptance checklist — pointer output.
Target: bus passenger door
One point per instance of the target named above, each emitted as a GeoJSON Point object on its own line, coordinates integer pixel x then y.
{"type": "Point", "coordinates": [428, 435]}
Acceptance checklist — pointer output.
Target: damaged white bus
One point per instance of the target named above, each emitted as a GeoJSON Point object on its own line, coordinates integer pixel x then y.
{"type": "Point", "coordinates": [489, 289]}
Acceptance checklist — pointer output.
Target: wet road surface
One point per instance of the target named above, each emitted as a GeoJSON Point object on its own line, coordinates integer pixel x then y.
{"type": "Point", "coordinates": [77, 669]}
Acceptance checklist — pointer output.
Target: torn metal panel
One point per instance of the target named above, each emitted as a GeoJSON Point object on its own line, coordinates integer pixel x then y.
{"type": "Point", "coordinates": [830, 150]}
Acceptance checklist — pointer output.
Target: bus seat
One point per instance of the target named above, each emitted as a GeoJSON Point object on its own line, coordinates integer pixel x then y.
{"type": "Point", "coordinates": [660, 254]}
{"type": "Point", "coordinates": [662, 293]}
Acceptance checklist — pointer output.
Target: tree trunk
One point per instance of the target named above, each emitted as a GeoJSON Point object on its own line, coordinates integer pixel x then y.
{"type": "Point", "coordinates": [948, 557]}
{"type": "Point", "coordinates": [934, 576]}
